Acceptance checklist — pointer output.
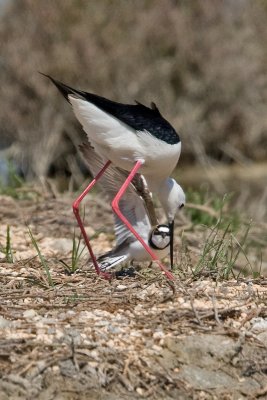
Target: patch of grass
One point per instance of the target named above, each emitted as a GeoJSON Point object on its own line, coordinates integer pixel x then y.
{"type": "Point", "coordinates": [225, 242]}
{"type": "Point", "coordinates": [7, 250]}
{"type": "Point", "coordinates": [75, 254]}
{"type": "Point", "coordinates": [42, 259]}
{"type": "Point", "coordinates": [221, 252]}
{"type": "Point", "coordinates": [77, 251]}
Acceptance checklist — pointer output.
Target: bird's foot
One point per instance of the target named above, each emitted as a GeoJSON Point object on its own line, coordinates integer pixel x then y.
{"type": "Point", "coordinates": [106, 275]}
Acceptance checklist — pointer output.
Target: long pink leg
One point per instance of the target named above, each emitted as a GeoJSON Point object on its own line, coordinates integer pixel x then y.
{"type": "Point", "coordinates": [75, 207]}
{"type": "Point", "coordinates": [115, 207]}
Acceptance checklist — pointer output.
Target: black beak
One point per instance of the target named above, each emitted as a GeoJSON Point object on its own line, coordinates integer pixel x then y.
{"type": "Point", "coordinates": [171, 227]}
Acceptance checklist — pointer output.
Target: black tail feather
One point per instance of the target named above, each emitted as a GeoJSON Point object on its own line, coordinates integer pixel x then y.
{"type": "Point", "coordinates": [65, 90]}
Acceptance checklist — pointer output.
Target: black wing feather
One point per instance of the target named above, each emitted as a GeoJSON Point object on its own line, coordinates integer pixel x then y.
{"type": "Point", "coordinates": [137, 116]}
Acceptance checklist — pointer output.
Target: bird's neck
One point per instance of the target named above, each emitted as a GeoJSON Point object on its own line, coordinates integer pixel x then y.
{"type": "Point", "coordinates": [155, 185]}
{"type": "Point", "coordinates": [162, 190]}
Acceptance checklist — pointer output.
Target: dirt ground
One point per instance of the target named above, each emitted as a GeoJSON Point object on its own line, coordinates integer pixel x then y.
{"type": "Point", "coordinates": [130, 338]}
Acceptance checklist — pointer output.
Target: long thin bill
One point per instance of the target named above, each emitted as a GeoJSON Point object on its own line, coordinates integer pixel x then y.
{"type": "Point", "coordinates": [171, 226]}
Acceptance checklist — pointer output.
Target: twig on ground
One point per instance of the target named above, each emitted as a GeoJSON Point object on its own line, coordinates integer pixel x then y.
{"type": "Point", "coordinates": [195, 311]}
{"type": "Point", "coordinates": [217, 319]}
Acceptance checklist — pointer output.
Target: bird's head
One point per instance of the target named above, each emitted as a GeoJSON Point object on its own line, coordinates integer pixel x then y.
{"type": "Point", "coordinates": [159, 237]}
{"type": "Point", "coordinates": [172, 198]}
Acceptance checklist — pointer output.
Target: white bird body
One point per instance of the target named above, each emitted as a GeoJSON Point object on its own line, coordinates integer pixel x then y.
{"type": "Point", "coordinates": [123, 145]}
{"type": "Point", "coordinates": [133, 207]}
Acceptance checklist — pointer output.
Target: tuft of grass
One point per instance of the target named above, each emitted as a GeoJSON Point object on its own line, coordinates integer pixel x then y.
{"type": "Point", "coordinates": [42, 259]}
{"type": "Point", "coordinates": [77, 251]}
{"type": "Point", "coordinates": [225, 246]}
{"type": "Point", "coordinates": [76, 254]}
{"type": "Point", "coordinates": [221, 252]}
{"type": "Point", "coordinates": [7, 250]}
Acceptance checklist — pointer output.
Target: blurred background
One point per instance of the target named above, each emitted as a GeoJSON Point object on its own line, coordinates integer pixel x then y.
{"type": "Point", "coordinates": [204, 63]}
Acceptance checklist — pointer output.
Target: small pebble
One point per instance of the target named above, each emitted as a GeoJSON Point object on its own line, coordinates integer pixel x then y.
{"type": "Point", "coordinates": [140, 391]}
{"type": "Point", "coordinates": [29, 313]}
{"type": "Point", "coordinates": [4, 323]}
{"type": "Point", "coordinates": [121, 288]}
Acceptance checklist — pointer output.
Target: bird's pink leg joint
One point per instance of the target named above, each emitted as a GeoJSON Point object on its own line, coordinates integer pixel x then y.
{"type": "Point", "coordinates": [115, 207]}
{"type": "Point", "coordinates": [75, 207]}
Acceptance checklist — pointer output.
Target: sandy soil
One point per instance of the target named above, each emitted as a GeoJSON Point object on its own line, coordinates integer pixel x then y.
{"type": "Point", "coordinates": [131, 338]}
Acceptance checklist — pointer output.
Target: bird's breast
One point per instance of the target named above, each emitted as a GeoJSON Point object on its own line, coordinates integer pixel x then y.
{"type": "Point", "coordinates": [159, 158]}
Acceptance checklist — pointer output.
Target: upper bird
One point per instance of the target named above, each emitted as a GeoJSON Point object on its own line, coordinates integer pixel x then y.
{"type": "Point", "coordinates": [135, 138]}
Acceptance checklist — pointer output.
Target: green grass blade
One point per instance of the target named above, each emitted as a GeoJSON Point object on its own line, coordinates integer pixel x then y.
{"type": "Point", "coordinates": [8, 250]}
{"type": "Point", "coordinates": [42, 259]}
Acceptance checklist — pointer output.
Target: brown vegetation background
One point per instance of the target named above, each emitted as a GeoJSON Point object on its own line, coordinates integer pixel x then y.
{"type": "Point", "coordinates": [204, 63]}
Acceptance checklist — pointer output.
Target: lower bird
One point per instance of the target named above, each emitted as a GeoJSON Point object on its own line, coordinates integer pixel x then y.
{"type": "Point", "coordinates": [139, 211]}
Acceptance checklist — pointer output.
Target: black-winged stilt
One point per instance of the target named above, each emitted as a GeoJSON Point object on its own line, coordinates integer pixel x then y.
{"type": "Point", "coordinates": [136, 209]}
{"type": "Point", "coordinates": [135, 138]}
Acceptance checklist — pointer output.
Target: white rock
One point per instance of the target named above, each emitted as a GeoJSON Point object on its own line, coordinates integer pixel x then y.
{"type": "Point", "coordinates": [4, 323]}
{"type": "Point", "coordinates": [158, 335]}
{"type": "Point", "coordinates": [121, 288]}
{"type": "Point", "coordinates": [61, 245]}
{"type": "Point", "coordinates": [259, 324]}
{"type": "Point", "coordinates": [140, 391]}
{"type": "Point", "coordinates": [263, 337]}
{"type": "Point", "coordinates": [89, 231]}
{"type": "Point", "coordinates": [29, 313]}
